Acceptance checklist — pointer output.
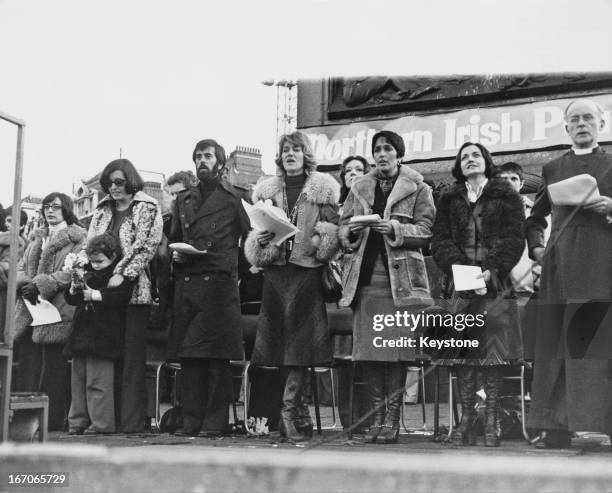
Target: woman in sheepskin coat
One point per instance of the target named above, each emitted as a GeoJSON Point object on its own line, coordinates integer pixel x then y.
{"type": "Point", "coordinates": [42, 367]}
{"type": "Point", "coordinates": [135, 220]}
{"type": "Point", "coordinates": [386, 273]}
{"type": "Point", "coordinates": [292, 330]}
{"type": "Point", "coordinates": [480, 222]}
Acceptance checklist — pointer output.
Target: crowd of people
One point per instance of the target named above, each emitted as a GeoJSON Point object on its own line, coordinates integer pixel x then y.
{"type": "Point", "coordinates": [543, 296]}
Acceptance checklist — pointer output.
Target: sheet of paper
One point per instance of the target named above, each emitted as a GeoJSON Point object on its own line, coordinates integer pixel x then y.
{"type": "Point", "coordinates": [186, 249]}
{"type": "Point", "coordinates": [266, 217]}
{"type": "Point", "coordinates": [43, 312]}
{"type": "Point", "coordinates": [467, 277]}
{"type": "Point", "coordinates": [576, 190]}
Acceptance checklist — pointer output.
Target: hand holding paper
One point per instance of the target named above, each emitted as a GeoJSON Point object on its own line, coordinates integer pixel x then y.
{"type": "Point", "coordinates": [268, 218]}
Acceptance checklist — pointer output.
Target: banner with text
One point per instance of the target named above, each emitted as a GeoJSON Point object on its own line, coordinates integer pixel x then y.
{"type": "Point", "coordinates": [501, 129]}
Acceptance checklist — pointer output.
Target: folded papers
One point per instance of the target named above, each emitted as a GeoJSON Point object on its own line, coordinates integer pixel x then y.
{"type": "Point", "coordinates": [266, 217]}
{"type": "Point", "coordinates": [186, 249]}
{"type": "Point", "coordinates": [467, 277]}
{"type": "Point", "coordinates": [577, 190]}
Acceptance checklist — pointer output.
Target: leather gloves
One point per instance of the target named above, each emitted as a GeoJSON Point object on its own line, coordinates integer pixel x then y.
{"type": "Point", "coordinates": [30, 292]}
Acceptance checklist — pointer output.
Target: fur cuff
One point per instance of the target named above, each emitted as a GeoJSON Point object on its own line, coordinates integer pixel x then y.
{"type": "Point", "coordinates": [344, 235]}
{"type": "Point", "coordinates": [256, 254]}
{"type": "Point", "coordinates": [329, 244]}
{"type": "Point", "coordinates": [397, 231]}
{"type": "Point", "coordinates": [47, 286]}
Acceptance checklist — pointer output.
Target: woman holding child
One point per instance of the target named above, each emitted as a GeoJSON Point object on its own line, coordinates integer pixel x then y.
{"type": "Point", "coordinates": [134, 219]}
{"type": "Point", "coordinates": [480, 222]}
{"type": "Point", "coordinates": [386, 272]}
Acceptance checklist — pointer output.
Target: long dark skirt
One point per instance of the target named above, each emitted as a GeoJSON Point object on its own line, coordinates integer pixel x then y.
{"type": "Point", "coordinates": [292, 328]}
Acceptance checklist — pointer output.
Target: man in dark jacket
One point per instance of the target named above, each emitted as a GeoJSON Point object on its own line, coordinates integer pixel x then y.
{"type": "Point", "coordinates": [206, 333]}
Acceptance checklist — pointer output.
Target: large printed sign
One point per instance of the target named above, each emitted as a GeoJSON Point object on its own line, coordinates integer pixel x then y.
{"type": "Point", "coordinates": [501, 129]}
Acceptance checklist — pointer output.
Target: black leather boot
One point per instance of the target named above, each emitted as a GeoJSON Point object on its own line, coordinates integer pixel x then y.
{"type": "Point", "coordinates": [395, 382]}
{"type": "Point", "coordinates": [374, 376]}
{"type": "Point", "coordinates": [493, 383]}
{"type": "Point", "coordinates": [292, 397]}
{"type": "Point", "coordinates": [465, 433]}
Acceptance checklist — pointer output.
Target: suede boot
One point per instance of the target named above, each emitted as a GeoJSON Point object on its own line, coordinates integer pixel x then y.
{"type": "Point", "coordinates": [493, 390]}
{"type": "Point", "coordinates": [465, 434]}
{"type": "Point", "coordinates": [303, 422]}
{"type": "Point", "coordinates": [374, 376]}
{"type": "Point", "coordinates": [395, 383]}
{"type": "Point", "coordinates": [292, 396]}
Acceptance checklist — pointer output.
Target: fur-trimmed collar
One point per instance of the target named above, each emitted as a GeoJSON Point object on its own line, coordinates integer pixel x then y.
{"type": "Point", "coordinates": [41, 261]}
{"type": "Point", "coordinates": [406, 184]}
{"type": "Point", "coordinates": [319, 188]}
{"type": "Point", "coordinates": [495, 189]}
{"type": "Point", "coordinates": [139, 196]}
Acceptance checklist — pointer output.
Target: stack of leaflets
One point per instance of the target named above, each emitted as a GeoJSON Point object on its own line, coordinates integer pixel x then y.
{"type": "Point", "coordinates": [576, 190]}
{"type": "Point", "coordinates": [266, 217]}
{"type": "Point", "coordinates": [186, 249]}
{"type": "Point", "coordinates": [369, 220]}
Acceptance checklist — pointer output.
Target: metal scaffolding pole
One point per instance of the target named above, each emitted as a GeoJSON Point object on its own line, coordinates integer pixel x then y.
{"type": "Point", "coordinates": [6, 343]}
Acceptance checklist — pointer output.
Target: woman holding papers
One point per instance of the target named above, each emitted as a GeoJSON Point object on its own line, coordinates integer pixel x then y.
{"type": "Point", "coordinates": [386, 272]}
{"type": "Point", "coordinates": [135, 220]}
{"type": "Point", "coordinates": [42, 367]}
{"type": "Point", "coordinates": [292, 330]}
{"type": "Point", "coordinates": [480, 223]}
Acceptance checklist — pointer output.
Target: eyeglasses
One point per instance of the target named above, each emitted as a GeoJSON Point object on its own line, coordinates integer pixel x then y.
{"type": "Point", "coordinates": [52, 207]}
{"type": "Point", "coordinates": [119, 182]}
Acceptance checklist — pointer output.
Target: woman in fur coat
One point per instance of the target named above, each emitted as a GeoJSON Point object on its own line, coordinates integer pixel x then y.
{"type": "Point", "coordinates": [386, 273]}
{"type": "Point", "coordinates": [135, 220]}
{"type": "Point", "coordinates": [292, 330]}
{"type": "Point", "coordinates": [480, 222]}
{"type": "Point", "coordinates": [41, 365]}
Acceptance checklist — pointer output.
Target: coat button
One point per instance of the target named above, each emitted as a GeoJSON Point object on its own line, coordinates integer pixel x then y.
{"type": "Point", "coordinates": [207, 278]}
{"type": "Point", "coordinates": [396, 266]}
{"type": "Point", "coordinates": [209, 243]}
{"type": "Point", "coordinates": [187, 225]}
{"type": "Point", "coordinates": [213, 225]}
{"type": "Point", "coordinates": [186, 278]}
{"type": "Point", "coordinates": [190, 242]}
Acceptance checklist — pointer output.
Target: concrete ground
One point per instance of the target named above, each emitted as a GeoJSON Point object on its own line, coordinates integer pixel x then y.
{"type": "Point", "coordinates": [330, 462]}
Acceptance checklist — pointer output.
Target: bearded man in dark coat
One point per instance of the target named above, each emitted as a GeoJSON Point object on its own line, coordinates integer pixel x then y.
{"type": "Point", "coordinates": [572, 388]}
{"type": "Point", "coordinates": [205, 333]}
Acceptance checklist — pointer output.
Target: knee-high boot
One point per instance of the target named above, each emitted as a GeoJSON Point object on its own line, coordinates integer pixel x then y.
{"type": "Point", "coordinates": [374, 376]}
{"type": "Point", "coordinates": [465, 434]}
{"type": "Point", "coordinates": [292, 397]}
{"type": "Point", "coordinates": [493, 383]}
{"type": "Point", "coordinates": [395, 380]}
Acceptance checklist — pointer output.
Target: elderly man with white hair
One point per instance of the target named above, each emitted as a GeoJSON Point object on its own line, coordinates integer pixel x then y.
{"type": "Point", "coordinates": [572, 388]}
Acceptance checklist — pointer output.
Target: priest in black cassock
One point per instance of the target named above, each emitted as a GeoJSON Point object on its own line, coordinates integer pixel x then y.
{"type": "Point", "coordinates": [572, 387]}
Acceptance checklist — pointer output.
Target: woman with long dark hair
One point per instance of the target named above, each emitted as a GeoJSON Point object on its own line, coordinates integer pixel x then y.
{"type": "Point", "coordinates": [292, 332]}
{"type": "Point", "coordinates": [135, 220]}
{"type": "Point", "coordinates": [386, 272]}
{"type": "Point", "coordinates": [480, 222]}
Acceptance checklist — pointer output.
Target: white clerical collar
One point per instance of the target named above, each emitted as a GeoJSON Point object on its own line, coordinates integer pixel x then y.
{"type": "Point", "coordinates": [580, 152]}
{"type": "Point", "coordinates": [474, 194]}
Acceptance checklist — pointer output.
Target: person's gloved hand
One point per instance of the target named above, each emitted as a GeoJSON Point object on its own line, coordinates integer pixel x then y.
{"type": "Point", "coordinates": [30, 292]}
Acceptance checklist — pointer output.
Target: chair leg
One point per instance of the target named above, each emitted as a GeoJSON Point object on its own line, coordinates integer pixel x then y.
{"type": "Point", "coordinates": [350, 403]}
{"type": "Point", "coordinates": [315, 397]}
{"type": "Point", "coordinates": [157, 403]}
{"type": "Point", "coordinates": [423, 409]}
{"type": "Point", "coordinates": [436, 401]}
{"type": "Point", "coordinates": [43, 431]}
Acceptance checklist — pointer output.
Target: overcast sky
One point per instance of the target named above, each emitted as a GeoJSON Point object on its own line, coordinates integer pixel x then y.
{"type": "Point", "coordinates": [154, 77]}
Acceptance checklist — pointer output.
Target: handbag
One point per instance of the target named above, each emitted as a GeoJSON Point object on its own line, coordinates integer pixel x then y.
{"type": "Point", "coordinates": [331, 280]}
{"type": "Point", "coordinates": [56, 333]}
